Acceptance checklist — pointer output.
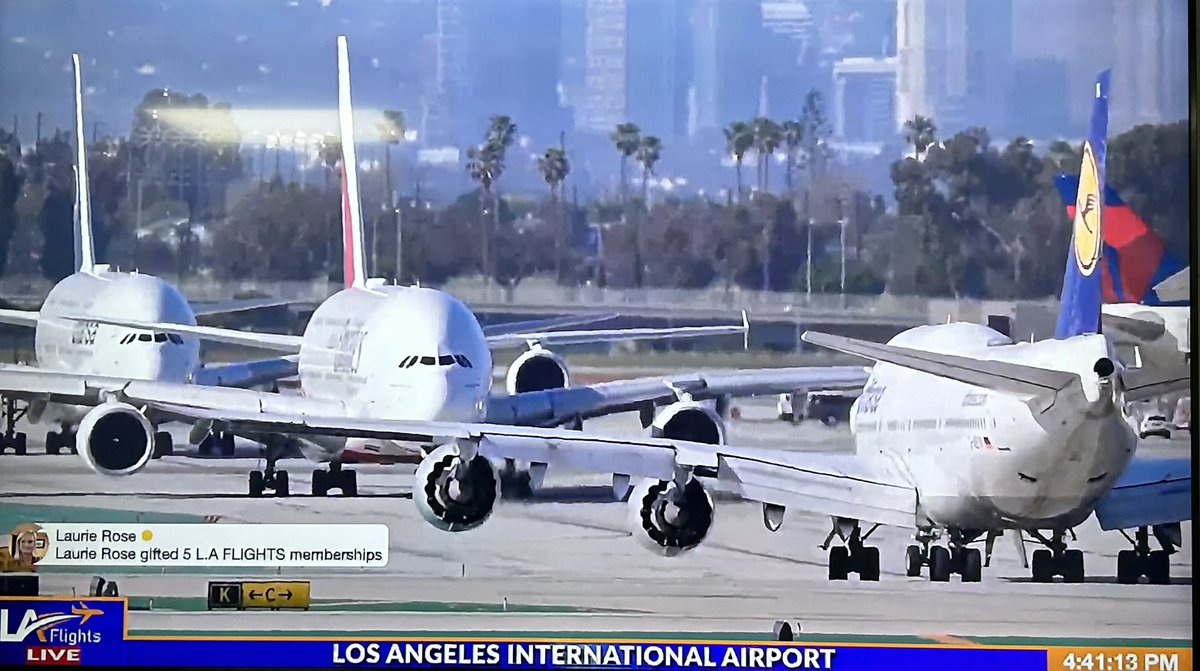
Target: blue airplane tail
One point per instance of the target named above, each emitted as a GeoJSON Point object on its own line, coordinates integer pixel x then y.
{"type": "Point", "coordinates": [1082, 292]}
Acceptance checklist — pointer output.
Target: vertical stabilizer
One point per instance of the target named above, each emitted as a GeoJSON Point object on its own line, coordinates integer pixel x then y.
{"type": "Point", "coordinates": [1079, 309]}
{"type": "Point", "coordinates": [352, 227]}
{"type": "Point", "coordinates": [85, 251]}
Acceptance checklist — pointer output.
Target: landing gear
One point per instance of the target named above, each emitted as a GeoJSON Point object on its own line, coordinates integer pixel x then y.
{"type": "Point", "coordinates": [1142, 561]}
{"type": "Point", "coordinates": [515, 483]}
{"type": "Point", "coordinates": [164, 444]}
{"type": "Point", "coordinates": [335, 477]}
{"type": "Point", "coordinates": [217, 443]}
{"type": "Point", "coordinates": [943, 561]}
{"type": "Point", "coordinates": [12, 439]}
{"type": "Point", "coordinates": [1056, 559]}
{"type": "Point", "coordinates": [57, 441]}
{"type": "Point", "coordinates": [270, 479]}
{"type": "Point", "coordinates": [853, 557]}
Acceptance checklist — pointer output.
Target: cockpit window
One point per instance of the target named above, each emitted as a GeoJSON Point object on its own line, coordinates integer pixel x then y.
{"type": "Point", "coordinates": [463, 361]}
{"type": "Point", "coordinates": [145, 337]}
{"type": "Point", "coordinates": [446, 360]}
{"type": "Point", "coordinates": [160, 337]}
{"type": "Point", "coordinates": [428, 360]}
{"type": "Point", "coordinates": [175, 338]}
{"type": "Point", "coordinates": [440, 360]}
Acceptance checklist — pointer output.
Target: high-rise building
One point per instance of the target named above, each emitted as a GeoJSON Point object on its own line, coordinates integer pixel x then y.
{"type": "Point", "coordinates": [864, 99]}
{"type": "Point", "coordinates": [603, 104]}
{"type": "Point", "coordinates": [1149, 61]}
{"type": "Point", "coordinates": [955, 61]}
{"type": "Point", "coordinates": [789, 45]}
{"type": "Point", "coordinates": [443, 93]}
{"type": "Point", "coordinates": [727, 66]}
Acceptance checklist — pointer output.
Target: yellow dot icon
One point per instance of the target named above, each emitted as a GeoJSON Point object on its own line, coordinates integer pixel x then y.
{"type": "Point", "coordinates": [146, 535]}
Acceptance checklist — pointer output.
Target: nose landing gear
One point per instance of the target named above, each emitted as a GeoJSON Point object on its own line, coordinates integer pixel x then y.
{"type": "Point", "coordinates": [1056, 559]}
{"type": "Point", "coordinates": [270, 479]}
{"type": "Point", "coordinates": [943, 561]}
{"type": "Point", "coordinates": [853, 557]}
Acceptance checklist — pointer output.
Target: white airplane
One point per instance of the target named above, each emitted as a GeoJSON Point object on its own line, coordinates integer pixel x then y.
{"type": "Point", "coordinates": [88, 347]}
{"type": "Point", "coordinates": [404, 353]}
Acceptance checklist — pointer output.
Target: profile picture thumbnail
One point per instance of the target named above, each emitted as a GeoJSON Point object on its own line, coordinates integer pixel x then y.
{"type": "Point", "coordinates": [28, 543]}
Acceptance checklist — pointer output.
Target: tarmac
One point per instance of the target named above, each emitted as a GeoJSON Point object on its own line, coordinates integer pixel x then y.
{"type": "Point", "coordinates": [565, 563]}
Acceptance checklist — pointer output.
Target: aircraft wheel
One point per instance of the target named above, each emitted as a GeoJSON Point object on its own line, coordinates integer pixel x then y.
{"type": "Point", "coordinates": [1072, 566]}
{"type": "Point", "coordinates": [257, 485]}
{"type": "Point", "coordinates": [868, 564]}
{"type": "Point", "coordinates": [320, 482]}
{"type": "Point", "coordinates": [164, 444]}
{"type": "Point", "coordinates": [224, 444]}
{"type": "Point", "coordinates": [839, 563]}
{"type": "Point", "coordinates": [1129, 567]}
{"type": "Point", "coordinates": [913, 561]}
{"type": "Point", "coordinates": [939, 564]}
{"type": "Point", "coordinates": [54, 442]}
{"type": "Point", "coordinates": [205, 447]}
{"type": "Point", "coordinates": [972, 569]}
{"type": "Point", "coordinates": [349, 483]}
{"type": "Point", "coordinates": [1043, 566]}
{"type": "Point", "coordinates": [281, 484]}
{"type": "Point", "coordinates": [19, 444]}
{"type": "Point", "coordinates": [1159, 568]}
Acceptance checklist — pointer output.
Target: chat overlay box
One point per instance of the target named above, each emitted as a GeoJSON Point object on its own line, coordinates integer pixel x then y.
{"type": "Point", "coordinates": [231, 545]}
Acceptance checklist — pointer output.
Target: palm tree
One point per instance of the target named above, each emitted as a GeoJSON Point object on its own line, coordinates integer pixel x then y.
{"type": "Point", "coordinates": [555, 167]}
{"type": "Point", "coordinates": [739, 138]}
{"type": "Point", "coordinates": [499, 137]}
{"type": "Point", "coordinates": [485, 164]}
{"type": "Point", "coordinates": [391, 131]}
{"type": "Point", "coordinates": [792, 134]}
{"type": "Point", "coordinates": [626, 138]}
{"type": "Point", "coordinates": [649, 151]}
{"type": "Point", "coordinates": [767, 137]}
{"type": "Point", "coordinates": [921, 133]}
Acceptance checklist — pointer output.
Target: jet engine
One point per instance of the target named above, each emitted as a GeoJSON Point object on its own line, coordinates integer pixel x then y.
{"type": "Point", "coordinates": [537, 370]}
{"type": "Point", "coordinates": [454, 496]}
{"type": "Point", "coordinates": [115, 439]}
{"type": "Point", "coordinates": [669, 519]}
{"type": "Point", "coordinates": [690, 420]}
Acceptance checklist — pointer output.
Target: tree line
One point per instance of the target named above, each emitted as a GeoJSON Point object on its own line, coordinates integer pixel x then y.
{"type": "Point", "coordinates": [969, 219]}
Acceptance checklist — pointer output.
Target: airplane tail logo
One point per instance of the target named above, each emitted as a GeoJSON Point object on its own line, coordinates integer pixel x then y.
{"type": "Point", "coordinates": [1135, 258]}
{"type": "Point", "coordinates": [1079, 310]}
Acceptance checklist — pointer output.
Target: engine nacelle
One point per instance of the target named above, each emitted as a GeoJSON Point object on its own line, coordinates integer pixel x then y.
{"type": "Point", "coordinates": [669, 521]}
{"type": "Point", "coordinates": [537, 370]}
{"type": "Point", "coordinates": [451, 498]}
{"type": "Point", "coordinates": [115, 439]}
{"type": "Point", "coordinates": [691, 421]}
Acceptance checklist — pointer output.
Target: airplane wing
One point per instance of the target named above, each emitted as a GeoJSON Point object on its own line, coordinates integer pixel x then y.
{"type": "Point", "coordinates": [1139, 330]}
{"type": "Point", "coordinates": [1151, 491]}
{"type": "Point", "coordinates": [211, 308]}
{"type": "Point", "coordinates": [554, 406]}
{"type": "Point", "coordinates": [1176, 287]}
{"type": "Point", "coordinates": [547, 338]}
{"type": "Point", "coordinates": [19, 317]}
{"type": "Point", "coordinates": [547, 324]}
{"type": "Point", "coordinates": [276, 342]}
{"type": "Point", "coordinates": [247, 374]}
{"type": "Point", "coordinates": [1041, 385]}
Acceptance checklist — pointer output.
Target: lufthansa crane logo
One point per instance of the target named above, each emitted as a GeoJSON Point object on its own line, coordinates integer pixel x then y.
{"type": "Point", "coordinates": [1087, 215]}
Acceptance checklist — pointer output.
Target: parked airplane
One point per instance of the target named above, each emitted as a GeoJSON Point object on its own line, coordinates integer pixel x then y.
{"type": "Point", "coordinates": [1136, 265]}
{"type": "Point", "coordinates": [380, 351]}
{"type": "Point", "coordinates": [88, 347]}
{"type": "Point", "coordinates": [960, 433]}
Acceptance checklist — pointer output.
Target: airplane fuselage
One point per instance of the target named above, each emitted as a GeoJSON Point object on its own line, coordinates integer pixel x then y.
{"type": "Point", "coordinates": [62, 343]}
{"type": "Point", "coordinates": [979, 459]}
{"type": "Point", "coordinates": [393, 352]}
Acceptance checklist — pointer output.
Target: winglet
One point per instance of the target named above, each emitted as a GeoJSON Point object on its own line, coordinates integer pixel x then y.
{"type": "Point", "coordinates": [85, 252]}
{"type": "Point", "coordinates": [352, 228]}
{"type": "Point", "coordinates": [745, 330]}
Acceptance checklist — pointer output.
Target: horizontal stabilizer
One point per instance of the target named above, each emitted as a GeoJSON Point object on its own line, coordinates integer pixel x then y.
{"type": "Point", "coordinates": [239, 305]}
{"type": "Point", "coordinates": [1143, 330]}
{"type": "Point", "coordinates": [1146, 383]}
{"type": "Point", "coordinates": [548, 338]}
{"type": "Point", "coordinates": [1039, 383]}
{"type": "Point", "coordinates": [19, 317]}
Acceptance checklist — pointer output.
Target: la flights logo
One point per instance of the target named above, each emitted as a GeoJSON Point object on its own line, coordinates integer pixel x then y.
{"type": "Point", "coordinates": [53, 637]}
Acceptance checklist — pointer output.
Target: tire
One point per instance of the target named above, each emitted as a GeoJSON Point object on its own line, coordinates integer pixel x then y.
{"type": "Point", "coordinates": [1072, 566]}
{"type": "Point", "coordinates": [972, 569]}
{"type": "Point", "coordinates": [257, 485]}
{"type": "Point", "coordinates": [868, 564]}
{"type": "Point", "coordinates": [939, 564]}
{"type": "Point", "coordinates": [281, 484]}
{"type": "Point", "coordinates": [1043, 566]}
{"type": "Point", "coordinates": [1158, 568]}
{"type": "Point", "coordinates": [53, 442]}
{"type": "Point", "coordinates": [829, 420]}
{"type": "Point", "coordinates": [913, 561]}
{"type": "Point", "coordinates": [205, 447]}
{"type": "Point", "coordinates": [839, 563]}
{"type": "Point", "coordinates": [164, 444]}
{"type": "Point", "coordinates": [1129, 567]}
{"type": "Point", "coordinates": [19, 445]}
{"type": "Point", "coordinates": [320, 482]}
{"type": "Point", "coordinates": [349, 482]}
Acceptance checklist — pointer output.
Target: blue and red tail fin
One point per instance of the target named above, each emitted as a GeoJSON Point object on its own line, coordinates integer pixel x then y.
{"type": "Point", "coordinates": [1135, 258]}
{"type": "Point", "coordinates": [1079, 309]}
